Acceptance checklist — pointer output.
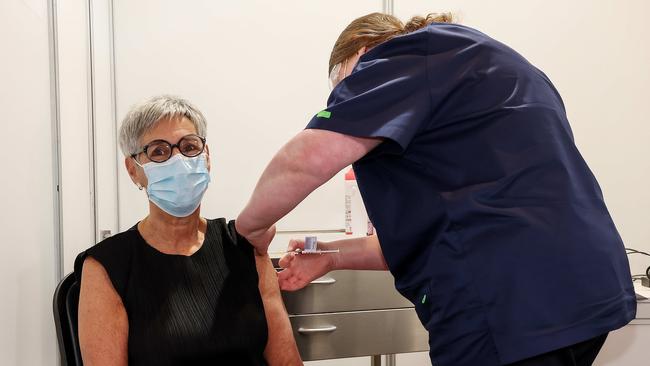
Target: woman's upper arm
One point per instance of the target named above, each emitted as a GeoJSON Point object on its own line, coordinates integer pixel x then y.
{"type": "Point", "coordinates": [103, 322]}
{"type": "Point", "coordinates": [281, 348]}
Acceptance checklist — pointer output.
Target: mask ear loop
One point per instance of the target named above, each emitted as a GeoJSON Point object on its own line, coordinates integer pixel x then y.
{"type": "Point", "coordinates": [140, 187]}
{"type": "Point", "coordinates": [136, 161]}
{"type": "Point", "coordinates": [335, 75]}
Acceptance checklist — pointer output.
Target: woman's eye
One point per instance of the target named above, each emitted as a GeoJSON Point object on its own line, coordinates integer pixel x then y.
{"type": "Point", "coordinates": [158, 152]}
{"type": "Point", "coordinates": [190, 148]}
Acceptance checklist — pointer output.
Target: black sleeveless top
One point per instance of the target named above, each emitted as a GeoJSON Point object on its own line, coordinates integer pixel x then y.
{"type": "Point", "coordinates": [203, 309]}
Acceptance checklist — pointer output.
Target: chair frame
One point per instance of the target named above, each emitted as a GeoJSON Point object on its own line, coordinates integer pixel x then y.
{"type": "Point", "coordinates": [65, 306]}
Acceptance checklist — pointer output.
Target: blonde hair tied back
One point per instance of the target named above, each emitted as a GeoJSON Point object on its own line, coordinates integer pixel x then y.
{"type": "Point", "coordinates": [418, 22]}
{"type": "Point", "coordinates": [375, 28]}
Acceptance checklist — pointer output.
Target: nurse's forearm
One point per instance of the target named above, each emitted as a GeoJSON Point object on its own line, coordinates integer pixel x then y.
{"type": "Point", "coordinates": [310, 159]}
{"type": "Point", "coordinates": [357, 253]}
{"type": "Point", "coordinates": [291, 176]}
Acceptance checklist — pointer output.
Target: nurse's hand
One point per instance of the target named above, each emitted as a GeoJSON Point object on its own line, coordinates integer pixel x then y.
{"type": "Point", "coordinates": [301, 269]}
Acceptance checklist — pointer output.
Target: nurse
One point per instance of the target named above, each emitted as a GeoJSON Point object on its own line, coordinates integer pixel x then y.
{"type": "Point", "coordinates": [486, 213]}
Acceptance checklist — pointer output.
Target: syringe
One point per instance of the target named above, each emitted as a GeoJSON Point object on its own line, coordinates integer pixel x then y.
{"type": "Point", "coordinates": [311, 247]}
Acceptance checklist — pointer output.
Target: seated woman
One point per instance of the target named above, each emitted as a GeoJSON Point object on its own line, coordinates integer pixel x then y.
{"type": "Point", "coordinates": [176, 288]}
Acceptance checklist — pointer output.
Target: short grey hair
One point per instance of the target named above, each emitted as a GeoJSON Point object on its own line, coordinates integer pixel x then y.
{"type": "Point", "coordinates": [144, 116]}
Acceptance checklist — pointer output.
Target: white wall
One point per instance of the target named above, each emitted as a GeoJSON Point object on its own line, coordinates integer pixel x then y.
{"type": "Point", "coordinates": [27, 220]}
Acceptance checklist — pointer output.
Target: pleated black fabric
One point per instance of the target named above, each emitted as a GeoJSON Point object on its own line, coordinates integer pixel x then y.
{"type": "Point", "coordinates": [203, 309]}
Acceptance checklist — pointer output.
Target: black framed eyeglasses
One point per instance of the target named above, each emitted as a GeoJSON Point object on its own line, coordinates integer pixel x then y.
{"type": "Point", "coordinates": [160, 151]}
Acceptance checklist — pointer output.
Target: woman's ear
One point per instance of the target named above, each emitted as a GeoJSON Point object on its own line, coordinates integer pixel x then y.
{"type": "Point", "coordinates": [132, 169]}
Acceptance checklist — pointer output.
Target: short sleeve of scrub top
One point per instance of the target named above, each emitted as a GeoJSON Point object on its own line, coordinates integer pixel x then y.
{"type": "Point", "coordinates": [393, 104]}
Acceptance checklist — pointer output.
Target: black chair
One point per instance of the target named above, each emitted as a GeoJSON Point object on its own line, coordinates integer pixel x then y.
{"type": "Point", "coordinates": [66, 303]}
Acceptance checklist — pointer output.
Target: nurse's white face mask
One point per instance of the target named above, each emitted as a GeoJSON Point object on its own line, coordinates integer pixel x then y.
{"type": "Point", "coordinates": [336, 75]}
{"type": "Point", "coordinates": [340, 71]}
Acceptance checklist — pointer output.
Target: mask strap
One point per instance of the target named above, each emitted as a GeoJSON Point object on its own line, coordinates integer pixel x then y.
{"type": "Point", "coordinates": [137, 162]}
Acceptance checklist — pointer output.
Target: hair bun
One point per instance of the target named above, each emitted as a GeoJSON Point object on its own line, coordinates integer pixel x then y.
{"type": "Point", "coordinates": [418, 22]}
{"type": "Point", "coordinates": [414, 24]}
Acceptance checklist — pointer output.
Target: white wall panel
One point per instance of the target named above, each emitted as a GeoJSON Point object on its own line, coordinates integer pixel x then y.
{"type": "Point", "coordinates": [27, 235]}
{"type": "Point", "coordinates": [105, 140]}
{"type": "Point", "coordinates": [77, 152]}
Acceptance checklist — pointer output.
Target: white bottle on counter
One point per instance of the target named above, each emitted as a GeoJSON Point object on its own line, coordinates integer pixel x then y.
{"type": "Point", "coordinates": [357, 222]}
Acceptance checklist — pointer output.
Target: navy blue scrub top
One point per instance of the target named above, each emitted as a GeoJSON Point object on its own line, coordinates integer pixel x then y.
{"type": "Point", "coordinates": [487, 214]}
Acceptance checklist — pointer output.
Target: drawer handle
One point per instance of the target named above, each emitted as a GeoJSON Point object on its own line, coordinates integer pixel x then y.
{"type": "Point", "coordinates": [326, 329]}
{"type": "Point", "coordinates": [323, 281]}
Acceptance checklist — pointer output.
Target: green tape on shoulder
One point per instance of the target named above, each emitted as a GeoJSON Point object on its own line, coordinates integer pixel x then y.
{"type": "Point", "coordinates": [324, 114]}
{"type": "Point", "coordinates": [424, 298]}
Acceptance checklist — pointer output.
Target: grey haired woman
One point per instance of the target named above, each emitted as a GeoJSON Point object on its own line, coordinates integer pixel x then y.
{"type": "Point", "coordinates": [176, 288]}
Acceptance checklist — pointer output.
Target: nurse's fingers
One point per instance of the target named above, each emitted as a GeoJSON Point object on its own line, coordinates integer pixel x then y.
{"type": "Point", "coordinates": [295, 244]}
{"type": "Point", "coordinates": [286, 259]}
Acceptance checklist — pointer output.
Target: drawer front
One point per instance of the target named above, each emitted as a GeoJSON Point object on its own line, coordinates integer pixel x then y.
{"type": "Point", "coordinates": [346, 291]}
{"type": "Point", "coordinates": [355, 334]}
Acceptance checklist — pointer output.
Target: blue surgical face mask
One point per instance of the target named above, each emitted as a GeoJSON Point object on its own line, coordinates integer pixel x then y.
{"type": "Point", "coordinates": [177, 185]}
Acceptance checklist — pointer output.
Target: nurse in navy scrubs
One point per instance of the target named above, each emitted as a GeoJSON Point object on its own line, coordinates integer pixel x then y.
{"type": "Point", "coordinates": [486, 213]}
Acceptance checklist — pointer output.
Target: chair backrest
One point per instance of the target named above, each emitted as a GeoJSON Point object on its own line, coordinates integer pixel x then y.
{"type": "Point", "coordinates": [66, 303]}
